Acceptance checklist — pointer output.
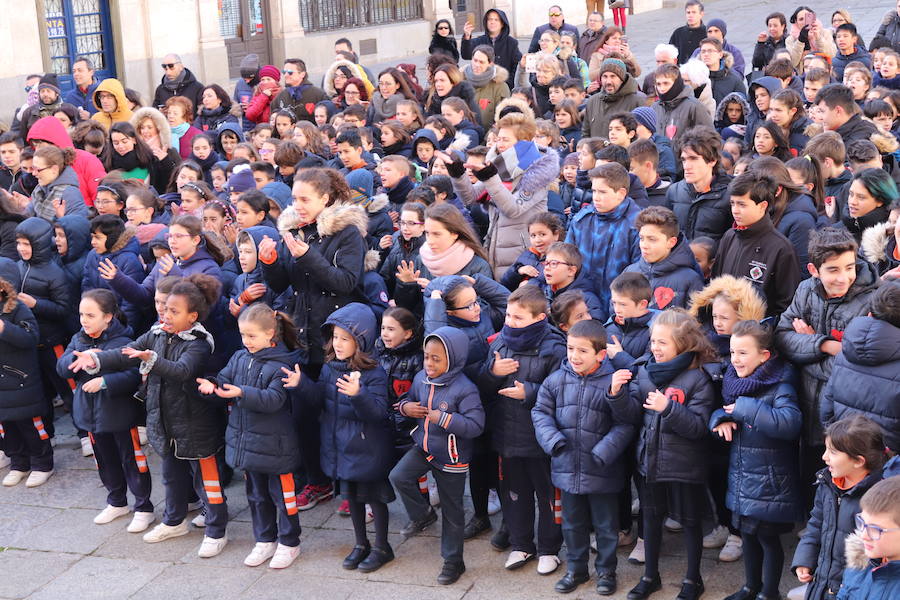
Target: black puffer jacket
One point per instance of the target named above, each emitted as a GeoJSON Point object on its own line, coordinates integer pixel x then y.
{"type": "Point", "coordinates": [8, 224]}
{"type": "Point", "coordinates": [832, 519]}
{"type": "Point", "coordinates": [671, 444]}
{"type": "Point", "coordinates": [829, 318]}
{"type": "Point", "coordinates": [673, 278]}
{"type": "Point", "coordinates": [44, 279]}
{"type": "Point", "coordinates": [113, 408]}
{"type": "Point", "coordinates": [462, 90]}
{"type": "Point", "coordinates": [585, 439]}
{"type": "Point", "coordinates": [634, 336]}
{"type": "Point", "coordinates": [327, 277]}
{"type": "Point", "coordinates": [179, 420]}
{"type": "Point", "coordinates": [509, 419]}
{"type": "Point", "coordinates": [707, 214]}
{"type": "Point", "coordinates": [21, 395]}
{"type": "Point", "coordinates": [260, 435]}
{"type": "Point", "coordinates": [401, 365]}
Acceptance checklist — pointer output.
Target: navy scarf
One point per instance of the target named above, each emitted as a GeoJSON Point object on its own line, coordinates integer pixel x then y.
{"type": "Point", "coordinates": [520, 339]}
{"type": "Point", "coordinates": [765, 375]}
{"type": "Point", "coordinates": [662, 373]}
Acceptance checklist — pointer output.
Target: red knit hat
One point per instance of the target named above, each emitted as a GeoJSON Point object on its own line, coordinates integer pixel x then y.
{"type": "Point", "coordinates": [270, 71]}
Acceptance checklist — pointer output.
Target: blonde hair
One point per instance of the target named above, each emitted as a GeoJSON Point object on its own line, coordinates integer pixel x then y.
{"type": "Point", "coordinates": [524, 128]}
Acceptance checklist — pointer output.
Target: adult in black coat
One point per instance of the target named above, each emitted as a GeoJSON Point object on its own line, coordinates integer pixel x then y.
{"type": "Point", "coordinates": [443, 40]}
{"type": "Point", "coordinates": [687, 37]}
{"type": "Point", "coordinates": [557, 23]}
{"type": "Point", "coordinates": [506, 47]}
{"type": "Point", "coordinates": [10, 218]}
{"type": "Point", "coordinates": [769, 41]}
{"type": "Point", "coordinates": [177, 81]}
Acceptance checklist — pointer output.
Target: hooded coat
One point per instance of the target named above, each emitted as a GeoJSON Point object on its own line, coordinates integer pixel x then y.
{"type": "Point", "coordinates": [188, 87]}
{"type": "Point", "coordinates": [601, 106]}
{"type": "Point", "coordinates": [489, 94]}
{"type": "Point", "coordinates": [44, 280]}
{"type": "Point", "coordinates": [684, 112]}
{"type": "Point", "coordinates": [584, 437]}
{"type": "Point", "coordinates": [799, 218]}
{"type": "Point", "coordinates": [879, 246]}
{"type": "Point", "coordinates": [125, 254]}
{"type": "Point", "coordinates": [78, 238]}
{"type": "Point", "coordinates": [114, 408]}
{"type": "Point", "coordinates": [8, 223]}
{"type": "Point", "coordinates": [21, 395]}
{"type": "Point", "coordinates": [773, 86]}
{"type": "Point", "coordinates": [751, 306]}
{"type": "Point", "coordinates": [356, 70]}
{"type": "Point", "coordinates": [180, 421]}
{"type": "Point", "coordinates": [673, 278]}
{"type": "Point", "coordinates": [123, 107]}
{"type": "Point", "coordinates": [65, 187]}
{"type": "Point", "coordinates": [245, 280]}
{"type": "Point", "coordinates": [828, 318]}
{"type": "Point", "coordinates": [327, 277]}
{"type": "Point", "coordinates": [865, 378]}
{"type": "Point", "coordinates": [872, 579]}
{"type": "Point", "coordinates": [707, 214]}
{"type": "Point", "coordinates": [260, 436]}
{"type": "Point", "coordinates": [356, 431]}
{"type": "Point", "coordinates": [88, 167]}
{"type": "Point", "coordinates": [226, 126]}
{"type": "Point", "coordinates": [506, 47]}
{"type": "Point", "coordinates": [720, 120]}
{"type": "Point", "coordinates": [448, 444]}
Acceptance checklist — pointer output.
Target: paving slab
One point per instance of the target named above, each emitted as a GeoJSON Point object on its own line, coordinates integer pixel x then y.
{"type": "Point", "coordinates": [100, 579]}
{"type": "Point", "coordinates": [199, 582]}
{"type": "Point", "coordinates": [16, 519]}
{"type": "Point", "coordinates": [26, 571]}
{"type": "Point", "coordinates": [72, 530]}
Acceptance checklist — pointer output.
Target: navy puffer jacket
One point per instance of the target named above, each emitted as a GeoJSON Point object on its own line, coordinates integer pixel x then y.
{"type": "Point", "coordinates": [78, 239]}
{"type": "Point", "coordinates": [832, 519]}
{"type": "Point", "coordinates": [865, 378]}
{"type": "Point", "coordinates": [21, 395]}
{"type": "Point", "coordinates": [125, 254]}
{"type": "Point", "coordinates": [674, 278]}
{"type": "Point", "coordinates": [260, 436]}
{"type": "Point", "coordinates": [798, 220]}
{"type": "Point", "coordinates": [509, 419]}
{"type": "Point", "coordinates": [575, 425]}
{"type": "Point", "coordinates": [634, 336]}
{"type": "Point", "coordinates": [401, 364]}
{"type": "Point", "coordinates": [706, 214]}
{"type": "Point", "coordinates": [763, 474]}
{"type": "Point", "coordinates": [581, 283]}
{"type": "Point", "coordinates": [357, 439]}
{"type": "Point", "coordinates": [44, 279]}
{"type": "Point", "coordinates": [114, 408]}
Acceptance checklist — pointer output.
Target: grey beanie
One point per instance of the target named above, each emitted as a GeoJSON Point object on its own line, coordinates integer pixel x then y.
{"type": "Point", "coordinates": [249, 66]}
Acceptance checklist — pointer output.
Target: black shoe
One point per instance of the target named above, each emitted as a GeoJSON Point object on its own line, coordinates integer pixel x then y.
{"type": "Point", "coordinates": [377, 558]}
{"type": "Point", "coordinates": [356, 556]}
{"type": "Point", "coordinates": [450, 573]}
{"type": "Point", "coordinates": [744, 593]}
{"type": "Point", "coordinates": [606, 584]}
{"type": "Point", "coordinates": [644, 588]}
{"type": "Point", "coordinates": [500, 540]}
{"type": "Point", "coordinates": [570, 581]}
{"type": "Point", "coordinates": [690, 590]}
{"type": "Point", "coordinates": [414, 527]}
{"type": "Point", "coordinates": [475, 526]}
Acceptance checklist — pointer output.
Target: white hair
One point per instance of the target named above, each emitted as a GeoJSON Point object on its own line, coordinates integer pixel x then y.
{"type": "Point", "coordinates": [696, 72]}
{"type": "Point", "coordinates": [666, 49]}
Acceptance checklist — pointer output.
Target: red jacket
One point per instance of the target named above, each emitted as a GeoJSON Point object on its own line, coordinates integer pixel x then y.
{"type": "Point", "coordinates": [87, 166]}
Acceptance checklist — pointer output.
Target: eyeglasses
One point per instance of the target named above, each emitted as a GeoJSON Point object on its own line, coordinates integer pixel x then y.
{"type": "Point", "coordinates": [104, 202]}
{"type": "Point", "coordinates": [34, 169]}
{"type": "Point", "coordinates": [555, 263]}
{"type": "Point", "coordinates": [708, 51]}
{"type": "Point", "coordinates": [177, 236]}
{"type": "Point", "coordinates": [411, 223]}
{"type": "Point", "coordinates": [350, 93]}
{"type": "Point", "coordinates": [555, 14]}
{"type": "Point", "coordinates": [132, 210]}
{"type": "Point", "coordinates": [167, 66]}
{"type": "Point", "coordinates": [470, 306]}
{"type": "Point", "coordinates": [266, 151]}
{"type": "Point", "coordinates": [873, 532]}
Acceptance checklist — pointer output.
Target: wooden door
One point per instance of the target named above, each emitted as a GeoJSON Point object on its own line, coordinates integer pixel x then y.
{"type": "Point", "coordinates": [245, 26]}
{"type": "Point", "coordinates": [461, 8]}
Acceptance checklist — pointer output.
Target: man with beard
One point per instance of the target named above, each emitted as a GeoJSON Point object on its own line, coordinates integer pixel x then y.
{"type": "Point", "coordinates": [618, 93]}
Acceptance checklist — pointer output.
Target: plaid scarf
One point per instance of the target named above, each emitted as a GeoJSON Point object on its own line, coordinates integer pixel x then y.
{"type": "Point", "coordinates": [513, 162]}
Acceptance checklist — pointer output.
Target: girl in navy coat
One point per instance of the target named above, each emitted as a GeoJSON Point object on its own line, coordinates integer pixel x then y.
{"type": "Point", "coordinates": [260, 438]}
{"type": "Point", "coordinates": [357, 442]}
{"type": "Point", "coordinates": [672, 397]}
{"type": "Point", "coordinates": [112, 240]}
{"type": "Point", "coordinates": [761, 420]}
{"type": "Point", "coordinates": [106, 408]}
{"type": "Point", "coordinates": [24, 438]}
{"type": "Point", "coordinates": [543, 230]}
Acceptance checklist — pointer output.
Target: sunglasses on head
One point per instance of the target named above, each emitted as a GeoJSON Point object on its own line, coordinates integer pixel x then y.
{"type": "Point", "coordinates": [168, 66]}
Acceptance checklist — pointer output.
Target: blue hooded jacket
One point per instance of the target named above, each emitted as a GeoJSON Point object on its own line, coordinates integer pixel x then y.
{"type": "Point", "coordinates": [279, 192]}
{"type": "Point", "coordinates": [227, 126]}
{"type": "Point", "coordinates": [125, 255]}
{"type": "Point", "coordinates": [45, 280]}
{"type": "Point", "coordinates": [78, 238]}
{"type": "Point", "coordinates": [448, 443]}
{"type": "Point", "coordinates": [420, 136]}
{"type": "Point", "coordinates": [21, 395]}
{"type": "Point", "coordinates": [357, 437]}
{"type": "Point", "coordinates": [674, 278]}
{"type": "Point", "coordinates": [773, 86]}
{"type": "Point", "coordinates": [245, 280]}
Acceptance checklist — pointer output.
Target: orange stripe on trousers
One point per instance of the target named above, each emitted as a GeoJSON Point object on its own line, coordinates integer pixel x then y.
{"type": "Point", "coordinates": [289, 493]}
{"type": "Point", "coordinates": [209, 471]}
{"type": "Point", "coordinates": [139, 457]}
{"type": "Point", "coordinates": [58, 351]}
{"type": "Point", "coordinates": [39, 426]}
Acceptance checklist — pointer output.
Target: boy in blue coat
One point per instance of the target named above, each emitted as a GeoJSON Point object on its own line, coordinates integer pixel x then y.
{"type": "Point", "coordinates": [628, 328]}
{"type": "Point", "coordinates": [604, 232]}
{"type": "Point", "coordinates": [666, 259]}
{"type": "Point", "coordinates": [250, 286]}
{"type": "Point", "coordinates": [449, 415]}
{"type": "Point", "coordinates": [576, 427]}
{"type": "Point", "coordinates": [562, 273]}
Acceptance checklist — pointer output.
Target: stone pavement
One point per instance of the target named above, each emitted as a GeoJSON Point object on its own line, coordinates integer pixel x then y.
{"type": "Point", "coordinates": [50, 548]}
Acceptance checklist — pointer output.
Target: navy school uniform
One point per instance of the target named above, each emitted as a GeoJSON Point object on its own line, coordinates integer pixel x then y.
{"type": "Point", "coordinates": [674, 278]}
{"type": "Point", "coordinates": [255, 275]}
{"type": "Point", "coordinates": [260, 439]}
{"type": "Point", "coordinates": [634, 336]}
{"type": "Point", "coordinates": [401, 364]}
{"type": "Point", "coordinates": [401, 250]}
{"type": "Point", "coordinates": [78, 238]}
{"type": "Point", "coordinates": [581, 284]}
{"type": "Point", "coordinates": [110, 416]}
{"type": "Point", "coordinates": [125, 255]}
{"type": "Point", "coordinates": [530, 257]}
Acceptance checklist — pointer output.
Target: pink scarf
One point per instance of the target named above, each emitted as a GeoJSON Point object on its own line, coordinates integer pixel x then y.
{"type": "Point", "coordinates": [449, 262]}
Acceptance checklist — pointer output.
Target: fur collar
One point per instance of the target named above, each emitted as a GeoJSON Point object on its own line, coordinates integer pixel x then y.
{"type": "Point", "coordinates": [329, 75]}
{"type": "Point", "coordinates": [9, 292]}
{"type": "Point", "coordinates": [460, 142]}
{"type": "Point", "coordinates": [752, 307]}
{"type": "Point", "coordinates": [855, 552]}
{"type": "Point", "coordinates": [874, 240]}
{"type": "Point", "coordinates": [372, 260]}
{"type": "Point", "coordinates": [501, 75]}
{"type": "Point", "coordinates": [338, 217]}
{"type": "Point", "coordinates": [288, 220]}
{"type": "Point", "coordinates": [540, 174]}
{"type": "Point", "coordinates": [378, 202]}
{"type": "Point", "coordinates": [813, 129]}
{"type": "Point", "coordinates": [123, 240]}
{"type": "Point", "coordinates": [522, 105]}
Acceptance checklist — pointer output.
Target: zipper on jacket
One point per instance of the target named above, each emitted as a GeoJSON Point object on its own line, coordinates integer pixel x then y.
{"type": "Point", "coordinates": [577, 448]}
{"type": "Point", "coordinates": [425, 439]}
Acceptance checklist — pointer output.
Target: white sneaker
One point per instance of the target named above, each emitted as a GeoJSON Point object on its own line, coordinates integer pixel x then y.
{"type": "Point", "coordinates": [284, 556]}
{"type": "Point", "coordinates": [38, 478]}
{"type": "Point", "coordinates": [733, 549]}
{"type": "Point", "coordinates": [4, 460]}
{"type": "Point", "coordinates": [716, 538]}
{"type": "Point", "coordinates": [433, 498]}
{"type": "Point", "coordinates": [672, 525]}
{"type": "Point", "coordinates": [164, 532]}
{"type": "Point", "coordinates": [199, 521]}
{"type": "Point", "coordinates": [517, 559]}
{"type": "Point", "coordinates": [261, 552]}
{"type": "Point", "coordinates": [547, 564]}
{"type": "Point", "coordinates": [637, 553]}
{"type": "Point", "coordinates": [370, 516]}
{"type": "Point", "coordinates": [110, 514]}
{"type": "Point", "coordinates": [142, 435]}
{"type": "Point", "coordinates": [797, 593]}
{"type": "Point", "coordinates": [210, 547]}
{"type": "Point", "coordinates": [140, 522]}
{"type": "Point", "coordinates": [626, 538]}
{"type": "Point", "coordinates": [493, 503]}
{"type": "Point", "coordinates": [14, 477]}
{"type": "Point", "coordinates": [87, 449]}
{"type": "Point", "coordinates": [192, 506]}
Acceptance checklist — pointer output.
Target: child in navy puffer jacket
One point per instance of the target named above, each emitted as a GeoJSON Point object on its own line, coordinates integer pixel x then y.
{"type": "Point", "coordinates": [113, 242]}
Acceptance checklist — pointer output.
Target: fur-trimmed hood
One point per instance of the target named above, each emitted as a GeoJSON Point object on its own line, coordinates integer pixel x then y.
{"type": "Point", "coordinates": [874, 241]}
{"type": "Point", "coordinates": [752, 307]}
{"type": "Point", "coordinates": [855, 552]}
{"type": "Point", "coordinates": [165, 134]}
{"type": "Point", "coordinates": [338, 217]}
{"type": "Point", "coordinates": [124, 239]}
{"type": "Point", "coordinates": [522, 105]}
{"type": "Point", "coordinates": [355, 69]}
{"type": "Point", "coordinates": [372, 260]}
{"type": "Point", "coordinates": [885, 142]}
{"type": "Point", "coordinates": [732, 97]}
{"type": "Point", "coordinates": [813, 129]}
{"type": "Point", "coordinates": [10, 281]}
{"type": "Point", "coordinates": [377, 202]}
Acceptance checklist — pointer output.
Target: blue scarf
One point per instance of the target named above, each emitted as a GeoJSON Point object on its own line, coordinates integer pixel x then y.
{"type": "Point", "coordinates": [662, 373]}
{"type": "Point", "coordinates": [177, 132]}
{"type": "Point", "coordinates": [765, 375]}
{"type": "Point", "coordinates": [520, 339]}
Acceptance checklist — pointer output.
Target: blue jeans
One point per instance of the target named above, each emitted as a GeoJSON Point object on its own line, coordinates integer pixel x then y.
{"type": "Point", "coordinates": [580, 512]}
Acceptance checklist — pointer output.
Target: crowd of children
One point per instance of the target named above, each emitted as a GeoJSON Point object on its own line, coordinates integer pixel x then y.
{"type": "Point", "coordinates": [660, 328]}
